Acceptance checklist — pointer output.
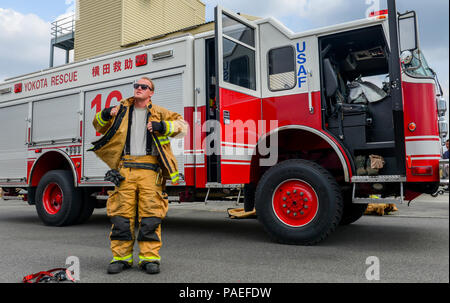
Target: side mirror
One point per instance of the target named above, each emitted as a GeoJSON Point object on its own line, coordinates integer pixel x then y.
{"type": "Point", "coordinates": [406, 57]}
{"type": "Point", "coordinates": [407, 28]}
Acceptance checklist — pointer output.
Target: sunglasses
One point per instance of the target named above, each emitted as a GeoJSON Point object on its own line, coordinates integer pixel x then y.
{"type": "Point", "coordinates": [142, 86]}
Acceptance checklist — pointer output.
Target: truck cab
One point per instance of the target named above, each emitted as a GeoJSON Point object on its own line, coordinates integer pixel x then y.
{"type": "Point", "coordinates": [338, 97]}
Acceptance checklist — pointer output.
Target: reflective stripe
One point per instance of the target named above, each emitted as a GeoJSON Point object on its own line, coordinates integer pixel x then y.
{"type": "Point", "coordinates": [163, 140]}
{"type": "Point", "coordinates": [175, 177]}
{"type": "Point", "coordinates": [169, 128]}
{"type": "Point", "coordinates": [100, 120]}
{"type": "Point", "coordinates": [172, 129]}
{"type": "Point", "coordinates": [142, 259]}
{"type": "Point", "coordinates": [128, 259]}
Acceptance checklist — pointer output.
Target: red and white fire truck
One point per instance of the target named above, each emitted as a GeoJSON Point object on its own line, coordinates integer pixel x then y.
{"type": "Point", "coordinates": [291, 119]}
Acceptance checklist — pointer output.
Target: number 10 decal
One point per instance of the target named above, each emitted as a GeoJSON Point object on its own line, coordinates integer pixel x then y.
{"type": "Point", "coordinates": [97, 102]}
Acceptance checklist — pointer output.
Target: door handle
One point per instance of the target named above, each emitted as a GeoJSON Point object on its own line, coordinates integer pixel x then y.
{"type": "Point", "coordinates": [309, 79]}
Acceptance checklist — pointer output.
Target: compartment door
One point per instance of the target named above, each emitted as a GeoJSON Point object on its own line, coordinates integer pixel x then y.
{"type": "Point", "coordinates": [13, 139]}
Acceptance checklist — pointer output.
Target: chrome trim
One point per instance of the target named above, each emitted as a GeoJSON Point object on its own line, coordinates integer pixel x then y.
{"type": "Point", "coordinates": [378, 179]}
{"type": "Point", "coordinates": [443, 127]}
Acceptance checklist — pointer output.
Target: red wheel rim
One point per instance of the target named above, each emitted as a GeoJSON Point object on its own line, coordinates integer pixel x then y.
{"type": "Point", "coordinates": [52, 198]}
{"type": "Point", "coordinates": [295, 203]}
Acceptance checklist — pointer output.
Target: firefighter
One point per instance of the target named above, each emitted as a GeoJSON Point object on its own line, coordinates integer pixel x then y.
{"type": "Point", "coordinates": [136, 147]}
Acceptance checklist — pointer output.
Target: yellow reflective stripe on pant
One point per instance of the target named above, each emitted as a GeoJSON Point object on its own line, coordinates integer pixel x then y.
{"type": "Point", "coordinates": [100, 120]}
{"type": "Point", "coordinates": [149, 259]}
{"type": "Point", "coordinates": [128, 259]}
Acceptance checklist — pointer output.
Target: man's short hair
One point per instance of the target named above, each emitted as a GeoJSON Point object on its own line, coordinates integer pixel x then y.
{"type": "Point", "coordinates": [151, 82]}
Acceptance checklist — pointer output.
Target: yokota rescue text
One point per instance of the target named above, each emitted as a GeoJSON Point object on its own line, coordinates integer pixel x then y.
{"type": "Point", "coordinates": [53, 81]}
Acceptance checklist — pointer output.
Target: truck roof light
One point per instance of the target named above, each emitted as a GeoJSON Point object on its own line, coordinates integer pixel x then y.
{"type": "Point", "coordinates": [141, 60]}
{"type": "Point", "coordinates": [382, 14]}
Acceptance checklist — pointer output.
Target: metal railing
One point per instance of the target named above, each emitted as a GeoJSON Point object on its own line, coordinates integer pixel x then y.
{"type": "Point", "coordinates": [63, 26]}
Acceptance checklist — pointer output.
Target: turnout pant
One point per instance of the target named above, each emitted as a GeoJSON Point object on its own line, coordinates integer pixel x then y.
{"type": "Point", "coordinates": [139, 197]}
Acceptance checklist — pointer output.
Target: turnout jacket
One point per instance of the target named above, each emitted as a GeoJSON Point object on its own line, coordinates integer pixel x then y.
{"type": "Point", "coordinates": [115, 140]}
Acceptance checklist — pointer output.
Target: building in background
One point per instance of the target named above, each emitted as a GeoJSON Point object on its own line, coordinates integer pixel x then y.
{"type": "Point", "coordinates": [106, 26]}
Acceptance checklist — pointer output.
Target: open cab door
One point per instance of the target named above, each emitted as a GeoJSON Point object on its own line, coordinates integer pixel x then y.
{"type": "Point", "coordinates": [238, 95]}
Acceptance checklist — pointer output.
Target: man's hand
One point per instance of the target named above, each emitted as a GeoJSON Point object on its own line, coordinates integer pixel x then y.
{"type": "Point", "coordinates": [155, 127]}
{"type": "Point", "coordinates": [114, 111]}
{"type": "Point", "coordinates": [115, 177]}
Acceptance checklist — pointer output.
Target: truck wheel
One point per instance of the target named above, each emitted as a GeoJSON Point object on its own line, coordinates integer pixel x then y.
{"type": "Point", "coordinates": [87, 206]}
{"type": "Point", "coordinates": [298, 202]}
{"type": "Point", "coordinates": [57, 200]}
{"type": "Point", "coordinates": [352, 212]}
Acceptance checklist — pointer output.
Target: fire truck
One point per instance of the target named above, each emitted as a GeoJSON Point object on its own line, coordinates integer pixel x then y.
{"type": "Point", "coordinates": [292, 121]}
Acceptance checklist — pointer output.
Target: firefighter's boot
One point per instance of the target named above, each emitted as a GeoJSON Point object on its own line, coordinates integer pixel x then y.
{"type": "Point", "coordinates": [151, 268]}
{"type": "Point", "coordinates": [117, 267]}
{"type": "Point", "coordinates": [360, 162]}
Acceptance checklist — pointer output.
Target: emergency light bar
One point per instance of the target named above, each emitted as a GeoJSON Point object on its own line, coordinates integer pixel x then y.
{"type": "Point", "coordinates": [379, 14]}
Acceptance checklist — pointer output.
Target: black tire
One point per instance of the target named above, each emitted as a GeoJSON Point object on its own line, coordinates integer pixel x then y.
{"type": "Point", "coordinates": [87, 207]}
{"type": "Point", "coordinates": [324, 210]}
{"type": "Point", "coordinates": [352, 212]}
{"type": "Point", "coordinates": [249, 197]}
{"type": "Point", "coordinates": [57, 186]}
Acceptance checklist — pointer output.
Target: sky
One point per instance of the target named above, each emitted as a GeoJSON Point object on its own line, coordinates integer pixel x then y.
{"type": "Point", "coordinates": [25, 26]}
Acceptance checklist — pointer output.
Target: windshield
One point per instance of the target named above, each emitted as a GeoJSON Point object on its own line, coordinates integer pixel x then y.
{"type": "Point", "coordinates": [418, 66]}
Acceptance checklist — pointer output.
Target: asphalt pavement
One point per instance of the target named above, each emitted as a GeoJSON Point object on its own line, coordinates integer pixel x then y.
{"type": "Point", "coordinates": [201, 244]}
